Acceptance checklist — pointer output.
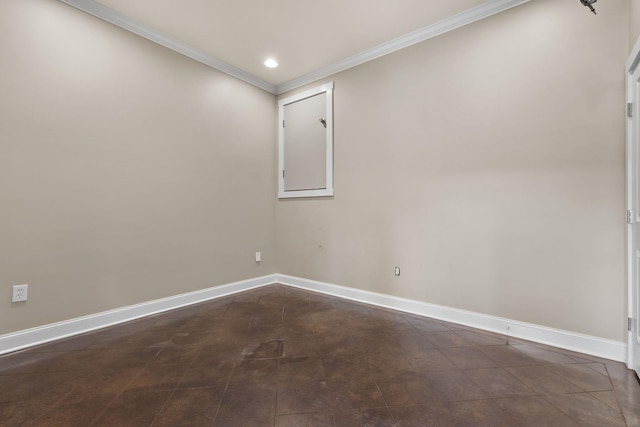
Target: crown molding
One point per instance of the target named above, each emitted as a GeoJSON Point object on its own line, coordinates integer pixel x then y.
{"type": "Point", "coordinates": [469, 16]}
{"type": "Point", "coordinates": [107, 14]}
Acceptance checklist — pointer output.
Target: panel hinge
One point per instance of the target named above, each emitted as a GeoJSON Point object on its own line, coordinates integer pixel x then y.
{"type": "Point", "coordinates": [631, 324]}
{"type": "Point", "coordinates": [282, 173]}
{"type": "Point", "coordinates": [629, 109]}
{"type": "Point", "coordinates": [629, 216]}
{"type": "Point", "coordinates": [283, 123]}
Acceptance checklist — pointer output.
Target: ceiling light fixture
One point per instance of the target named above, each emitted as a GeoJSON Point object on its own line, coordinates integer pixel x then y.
{"type": "Point", "coordinates": [271, 63]}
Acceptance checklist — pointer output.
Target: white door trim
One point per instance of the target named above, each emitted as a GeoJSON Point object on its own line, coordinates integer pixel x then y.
{"type": "Point", "coordinates": [632, 64]}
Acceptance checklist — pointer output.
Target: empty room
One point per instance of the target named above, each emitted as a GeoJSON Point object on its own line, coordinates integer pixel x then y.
{"type": "Point", "coordinates": [344, 213]}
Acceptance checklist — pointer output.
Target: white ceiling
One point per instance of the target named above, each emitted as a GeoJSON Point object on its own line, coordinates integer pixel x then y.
{"type": "Point", "coordinates": [303, 36]}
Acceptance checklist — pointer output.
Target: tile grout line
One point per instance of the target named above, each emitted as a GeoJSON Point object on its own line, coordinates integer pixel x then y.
{"type": "Point", "coordinates": [275, 403]}
{"type": "Point", "coordinates": [115, 398]}
{"type": "Point", "coordinates": [57, 403]}
{"type": "Point", "coordinates": [174, 388]}
{"type": "Point", "coordinates": [226, 386]}
{"type": "Point", "coordinates": [615, 394]}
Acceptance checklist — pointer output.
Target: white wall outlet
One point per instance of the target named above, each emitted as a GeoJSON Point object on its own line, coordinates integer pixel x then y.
{"type": "Point", "coordinates": [258, 257]}
{"type": "Point", "coordinates": [397, 271]}
{"type": "Point", "coordinates": [19, 293]}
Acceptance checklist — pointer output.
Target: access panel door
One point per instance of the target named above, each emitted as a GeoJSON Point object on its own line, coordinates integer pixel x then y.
{"type": "Point", "coordinates": [306, 144]}
{"type": "Point", "coordinates": [305, 135]}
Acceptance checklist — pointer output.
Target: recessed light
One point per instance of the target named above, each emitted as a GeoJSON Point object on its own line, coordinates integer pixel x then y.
{"type": "Point", "coordinates": [271, 63]}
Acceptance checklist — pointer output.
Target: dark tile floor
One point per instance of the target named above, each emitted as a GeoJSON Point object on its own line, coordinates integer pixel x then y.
{"type": "Point", "coordinates": [279, 356]}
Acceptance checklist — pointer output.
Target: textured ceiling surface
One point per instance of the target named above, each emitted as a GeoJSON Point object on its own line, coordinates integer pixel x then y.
{"type": "Point", "coordinates": [303, 36]}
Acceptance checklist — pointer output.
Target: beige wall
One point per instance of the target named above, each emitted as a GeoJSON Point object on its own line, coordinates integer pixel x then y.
{"type": "Point", "coordinates": [488, 164]}
{"type": "Point", "coordinates": [127, 172]}
{"type": "Point", "coordinates": [634, 22]}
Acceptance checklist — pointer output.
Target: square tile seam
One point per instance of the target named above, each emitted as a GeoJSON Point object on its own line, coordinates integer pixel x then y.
{"type": "Point", "coordinates": [586, 344]}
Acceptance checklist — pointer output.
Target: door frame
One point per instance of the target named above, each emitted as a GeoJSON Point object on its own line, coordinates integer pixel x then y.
{"type": "Point", "coordinates": [632, 64]}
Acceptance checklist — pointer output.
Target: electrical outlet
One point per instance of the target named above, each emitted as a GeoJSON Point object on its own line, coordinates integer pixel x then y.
{"type": "Point", "coordinates": [258, 257]}
{"type": "Point", "coordinates": [19, 293]}
{"type": "Point", "coordinates": [397, 271]}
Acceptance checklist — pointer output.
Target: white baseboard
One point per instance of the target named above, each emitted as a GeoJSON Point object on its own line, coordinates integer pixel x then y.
{"type": "Point", "coordinates": [600, 347]}
{"type": "Point", "coordinates": [43, 334]}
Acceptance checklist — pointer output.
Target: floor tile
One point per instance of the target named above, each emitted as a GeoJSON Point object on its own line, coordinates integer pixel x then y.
{"type": "Point", "coordinates": [296, 397]}
{"type": "Point", "coordinates": [346, 369]}
{"type": "Point", "coordinates": [43, 388]}
{"type": "Point", "coordinates": [467, 357]}
{"type": "Point", "coordinates": [358, 395]}
{"type": "Point", "coordinates": [89, 398]}
{"type": "Point", "coordinates": [50, 362]}
{"type": "Point", "coordinates": [293, 368]}
{"type": "Point", "coordinates": [207, 373]}
{"type": "Point", "coordinates": [586, 410]}
{"type": "Point", "coordinates": [133, 408]}
{"type": "Point", "coordinates": [446, 339]}
{"type": "Point", "coordinates": [248, 400]}
{"type": "Point", "coordinates": [543, 380]}
{"type": "Point", "coordinates": [608, 398]}
{"type": "Point", "coordinates": [598, 367]}
{"type": "Point", "coordinates": [454, 386]}
{"type": "Point", "coordinates": [164, 377]}
{"type": "Point", "coordinates": [631, 414]}
{"type": "Point", "coordinates": [71, 412]}
{"type": "Point", "coordinates": [283, 356]}
{"type": "Point", "coordinates": [480, 413]}
{"type": "Point", "coordinates": [432, 360]}
{"type": "Point", "coordinates": [584, 377]}
{"type": "Point", "coordinates": [409, 389]}
{"type": "Point", "coordinates": [322, 419]}
{"type": "Point", "coordinates": [255, 371]}
{"type": "Point", "coordinates": [186, 338]}
{"type": "Point", "coordinates": [389, 364]}
{"type": "Point", "coordinates": [195, 406]}
{"type": "Point", "coordinates": [378, 417]}
{"type": "Point", "coordinates": [497, 382]}
{"type": "Point", "coordinates": [119, 360]}
{"type": "Point", "coordinates": [543, 356]}
{"type": "Point", "coordinates": [244, 421]}
{"type": "Point", "coordinates": [481, 339]}
{"type": "Point", "coordinates": [424, 415]}
{"type": "Point", "coordinates": [426, 325]}
{"type": "Point", "coordinates": [506, 355]}
{"type": "Point", "coordinates": [535, 411]}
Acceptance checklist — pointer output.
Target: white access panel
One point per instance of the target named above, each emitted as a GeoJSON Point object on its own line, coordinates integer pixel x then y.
{"type": "Point", "coordinates": [306, 144]}
{"type": "Point", "coordinates": [305, 150]}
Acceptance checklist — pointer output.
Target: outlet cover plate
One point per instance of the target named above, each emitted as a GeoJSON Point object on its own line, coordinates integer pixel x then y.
{"type": "Point", "coordinates": [19, 293]}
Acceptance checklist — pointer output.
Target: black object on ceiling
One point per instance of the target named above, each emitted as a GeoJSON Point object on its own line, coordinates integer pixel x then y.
{"type": "Point", "coordinates": [589, 4]}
